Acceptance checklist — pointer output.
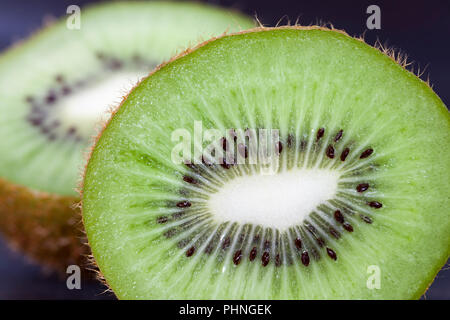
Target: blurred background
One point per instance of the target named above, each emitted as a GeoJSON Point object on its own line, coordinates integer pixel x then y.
{"type": "Point", "coordinates": [419, 28]}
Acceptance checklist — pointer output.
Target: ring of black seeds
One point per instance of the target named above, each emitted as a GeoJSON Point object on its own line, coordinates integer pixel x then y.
{"type": "Point", "coordinates": [42, 104]}
{"type": "Point", "coordinates": [268, 247]}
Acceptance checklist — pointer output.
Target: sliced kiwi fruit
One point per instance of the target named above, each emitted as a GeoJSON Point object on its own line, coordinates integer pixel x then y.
{"type": "Point", "coordinates": [57, 87]}
{"type": "Point", "coordinates": [354, 203]}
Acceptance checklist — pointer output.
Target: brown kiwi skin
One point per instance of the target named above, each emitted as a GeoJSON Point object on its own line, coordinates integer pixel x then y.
{"type": "Point", "coordinates": [46, 227]}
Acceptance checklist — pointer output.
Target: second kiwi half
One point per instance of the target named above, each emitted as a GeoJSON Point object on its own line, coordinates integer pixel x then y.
{"type": "Point", "coordinates": [56, 89]}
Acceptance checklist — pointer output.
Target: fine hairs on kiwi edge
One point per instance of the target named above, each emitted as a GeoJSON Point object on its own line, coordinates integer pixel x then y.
{"type": "Point", "coordinates": [361, 181]}
{"type": "Point", "coordinates": [56, 87]}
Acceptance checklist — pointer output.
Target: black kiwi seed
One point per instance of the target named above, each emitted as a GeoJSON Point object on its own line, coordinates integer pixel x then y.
{"type": "Point", "coordinates": [209, 248]}
{"type": "Point", "coordinates": [332, 254]}
{"type": "Point", "coordinates": [183, 204]}
{"type": "Point", "coordinates": [338, 216]}
{"type": "Point", "coordinates": [190, 251]}
{"type": "Point", "coordinates": [366, 153]}
{"type": "Point", "coordinates": [241, 237]}
{"type": "Point", "coordinates": [233, 134]}
{"type": "Point", "coordinates": [375, 204]}
{"type": "Point", "coordinates": [170, 233]}
{"type": "Point", "coordinates": [303, 144]}
{"type": "Point", "coordinates": [366, 219]}
{"type": "Point", "coordinates": [338, 136]}
{"type": "Point", "coordinates": [347, 226]}
{"type": "Point", "coordinates": [66, 90]}
{"type": "Point", "coordinates": [298, 243]}
{"type": "Point", "coordinates": [182, 243]}
{"type": "Point", "coordinates": [305, 258]}
{"type": "Point", "coordinates": [177, 215]}
{"type": "Point", "coordinates": [310, 228]}
{"type": "Point", "coordinates": [277, 260]}
{"type": "Point", "coordinates": [189, 180]}
{"type": "Point", "coordinates": [330, 152]}
{"type": "Point", "coordinates": [71, 131]}
{"type": "Point", "coordinates": [252, 255]}
{"type": "Point", "coordinates": [320, 242]}
{"type": "Point", "coordinates": [226, 243]}
{"type": "Point", "coordinates": [362, 187]}
{"type": "Point", "coordinates": [50, 98]}
{"type": "Point", "coordinates": [320, 133]}
{"type": "Point", "coordinates": [35, 121]}
{"type": "Point", "coordinates": [162, 219]}
{"type": "Point", "coordinates": [344, 154]}
{"type": "Point", "coordinates": [334, 233]}
{"type": "Point", "coordinates": [190, 165]}
{"type": "Point", "coordinates": [279, 147]}
{"type": "Point", "coordinates": [237, 257]}
{"type": "Point", "coordinates": [115, 64]}
{"type": "Point", "coordinates": [290, 140]}
{"type": "Point", "coordinates": [265, 258]}
{"type": "Point", "coordinates": [224, 144]}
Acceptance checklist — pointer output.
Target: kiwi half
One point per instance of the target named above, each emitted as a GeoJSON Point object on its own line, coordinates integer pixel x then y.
{"type": "Point", "coordinates": [56, 87]}
{"type": "Point", "coordinates": [360, 189]}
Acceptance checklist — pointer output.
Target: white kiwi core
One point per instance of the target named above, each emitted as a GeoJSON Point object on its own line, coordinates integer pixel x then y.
{"type": "Point", "coordinates": [274, 201]}
{"type": "Point", "coordinates": [88, 107]}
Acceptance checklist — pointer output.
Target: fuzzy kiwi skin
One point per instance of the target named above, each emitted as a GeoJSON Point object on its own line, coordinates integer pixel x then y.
{"type": "Point", "coordinates": [46, 226]}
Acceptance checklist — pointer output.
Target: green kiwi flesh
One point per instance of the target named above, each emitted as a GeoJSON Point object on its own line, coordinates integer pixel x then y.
{"type": "Point", "coordinates": [360, 191]}
{"type": "Point", "coordinates": [56, 89]}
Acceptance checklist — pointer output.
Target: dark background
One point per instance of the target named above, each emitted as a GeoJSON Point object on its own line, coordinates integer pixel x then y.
{"type": "Point", "coordinates": [419, 28]}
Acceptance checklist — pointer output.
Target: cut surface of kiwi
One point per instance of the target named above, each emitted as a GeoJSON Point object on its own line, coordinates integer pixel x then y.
{"type": "Point", "coordinates": [57, 87]}
{"type": "Point", "coordinates": [353, 203]}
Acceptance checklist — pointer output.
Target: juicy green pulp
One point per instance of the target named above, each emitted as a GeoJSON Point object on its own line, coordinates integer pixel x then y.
{"type": "Point", "coordinates": [272, 79]}
{"type": "Point", "coordinates": [155, 31]}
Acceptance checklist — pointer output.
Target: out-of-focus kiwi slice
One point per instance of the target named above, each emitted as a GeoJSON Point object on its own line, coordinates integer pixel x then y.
{"type": "Point", "coordinates": [56, 87]}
